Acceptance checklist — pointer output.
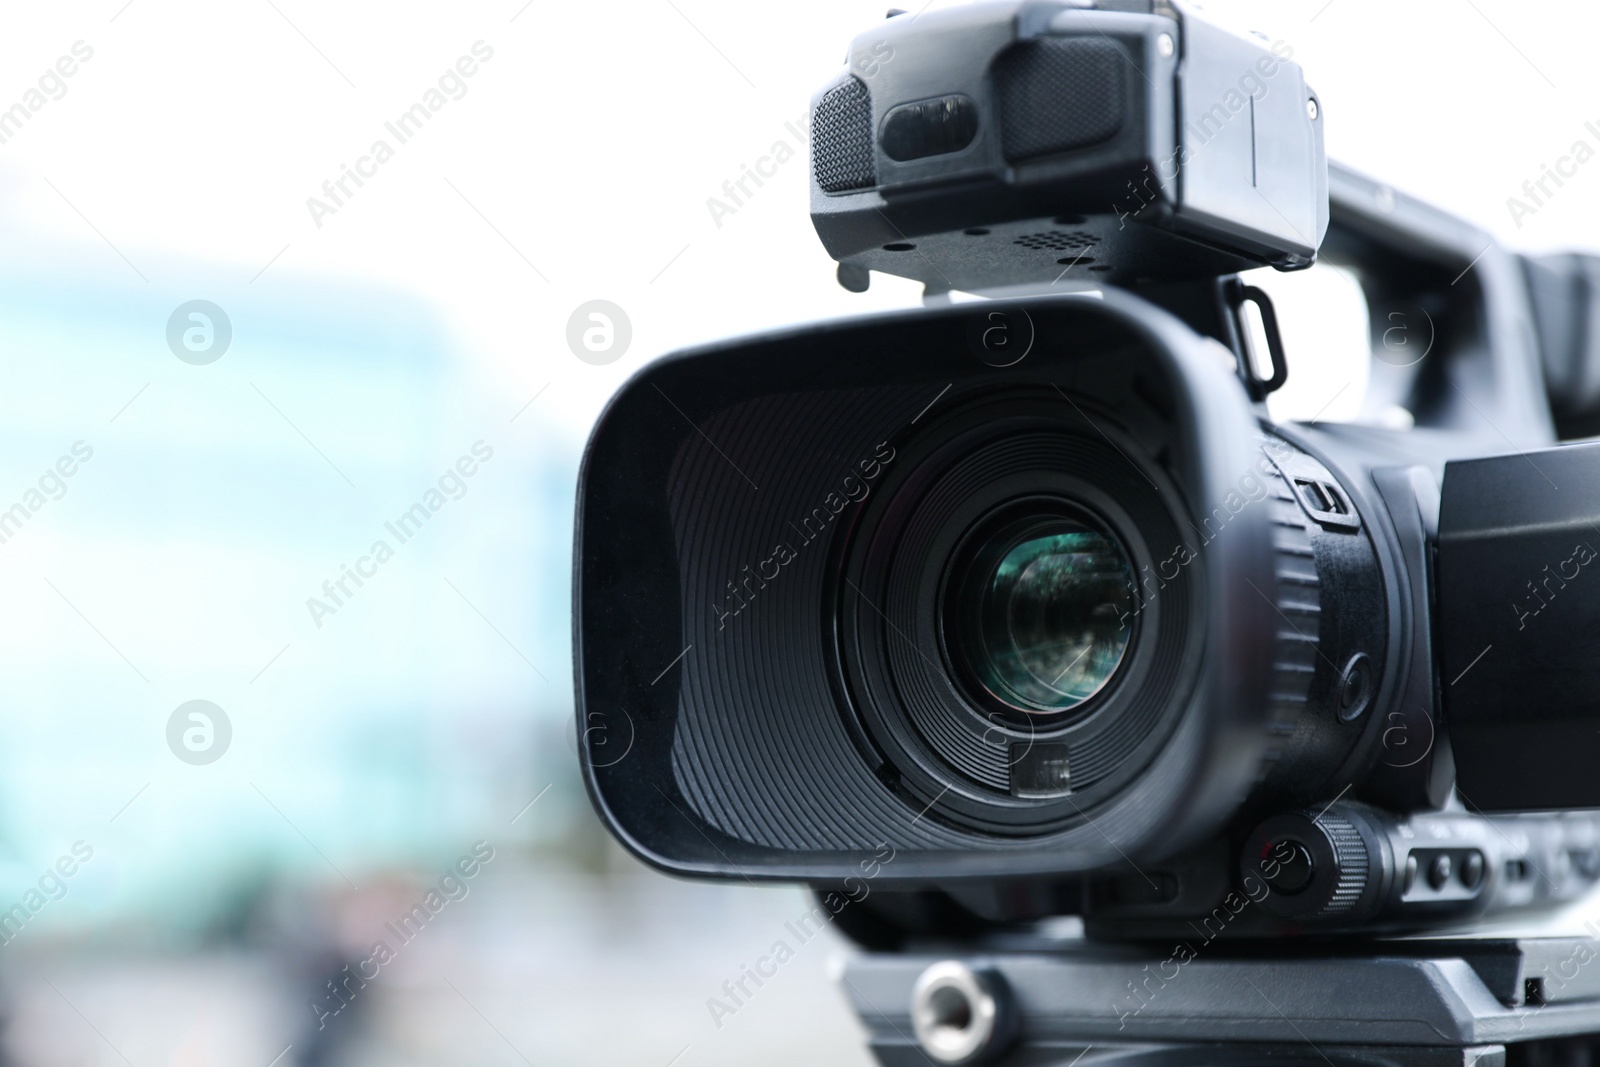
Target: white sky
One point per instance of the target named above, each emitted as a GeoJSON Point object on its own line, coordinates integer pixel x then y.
{"type": "Point", "coordinates": [593, 137]}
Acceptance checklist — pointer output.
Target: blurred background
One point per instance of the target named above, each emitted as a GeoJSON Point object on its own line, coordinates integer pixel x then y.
{"type": "Point", "coordinates": [333, 500]}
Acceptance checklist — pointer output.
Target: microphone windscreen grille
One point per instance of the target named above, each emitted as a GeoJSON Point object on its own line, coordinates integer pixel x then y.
{"type": "Point", "coordinates": [841, 138]}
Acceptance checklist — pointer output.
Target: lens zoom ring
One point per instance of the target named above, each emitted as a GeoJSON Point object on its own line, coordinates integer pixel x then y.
{"type": "Point", "coordinates": [1298, 598]}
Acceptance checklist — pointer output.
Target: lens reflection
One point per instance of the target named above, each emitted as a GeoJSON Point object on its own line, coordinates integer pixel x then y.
{"type": "Point", "coordinates": [1050, 626]}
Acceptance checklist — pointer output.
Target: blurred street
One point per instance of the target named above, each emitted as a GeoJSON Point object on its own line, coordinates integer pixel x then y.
{"type": "Point", "coordinates": [530, 967]}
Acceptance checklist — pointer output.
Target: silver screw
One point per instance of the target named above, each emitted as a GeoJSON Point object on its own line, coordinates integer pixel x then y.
{"type": "Point", "coordinates": [958, 1015]}
{"type": "Point", "coordinates": [1312, 109]}
{"type": "Point", "coordinates": [1164, 45]}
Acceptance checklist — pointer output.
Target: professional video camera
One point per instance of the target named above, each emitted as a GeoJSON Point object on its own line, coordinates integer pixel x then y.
{"type": "Point", "coordinates": [1000, 611]}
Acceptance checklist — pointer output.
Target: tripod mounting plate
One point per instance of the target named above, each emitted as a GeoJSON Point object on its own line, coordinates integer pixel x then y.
{"type": "Point", "coordinates": [1404, 1003]}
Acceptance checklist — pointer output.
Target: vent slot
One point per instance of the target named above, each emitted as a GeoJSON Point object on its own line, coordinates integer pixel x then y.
{"type": "Point", "coordinates": [1057, 241]}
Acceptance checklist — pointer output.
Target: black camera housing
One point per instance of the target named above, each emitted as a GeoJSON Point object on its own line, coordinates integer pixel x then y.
{"type": "Point", "coordinates": [1001, 144]}
{"type": "Point", "coordinates": [776, 536]}
{"type": "Point", "coordinates": [748, 740]}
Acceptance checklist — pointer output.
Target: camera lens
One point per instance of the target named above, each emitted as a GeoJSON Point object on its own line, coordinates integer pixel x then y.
{"type": "Point", "coordinates": [1015, 652]}
{"type": "Point", "coordinates": [1040, 613]}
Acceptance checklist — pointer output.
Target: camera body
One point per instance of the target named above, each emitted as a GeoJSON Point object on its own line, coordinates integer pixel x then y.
{"type": "Point", "coordinates": [1025, 607]}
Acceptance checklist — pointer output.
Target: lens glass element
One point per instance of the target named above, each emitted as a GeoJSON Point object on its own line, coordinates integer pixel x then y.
{"type": "Point", "coordinates": [1047, 617]}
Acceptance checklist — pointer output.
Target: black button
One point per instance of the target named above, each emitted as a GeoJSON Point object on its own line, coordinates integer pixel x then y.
{"type": "Point", "coordinates": [1439, 870]}
{"type": "Point", "coordinates": [1472, 870]}
{"type": "Point", "coordinates": [1288, 866]}
{"type": "Point", "coordinates": [1587, 861]}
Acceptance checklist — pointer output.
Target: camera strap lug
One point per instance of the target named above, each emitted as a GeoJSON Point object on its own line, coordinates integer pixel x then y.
{"type": "Point", "coordinates": [1237, 294]}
